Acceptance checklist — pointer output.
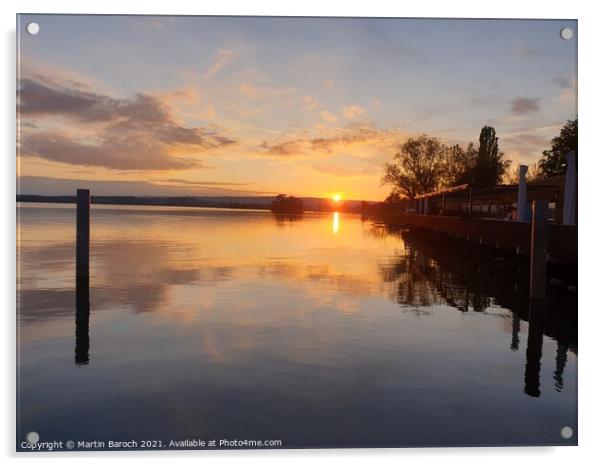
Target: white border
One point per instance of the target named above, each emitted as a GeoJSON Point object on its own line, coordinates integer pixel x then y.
{"type": "Point", "coordinates": [590, 309]}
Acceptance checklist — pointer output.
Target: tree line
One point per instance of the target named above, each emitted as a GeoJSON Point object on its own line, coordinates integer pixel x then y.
{"type": "Point", "coordinates": [424, 164]}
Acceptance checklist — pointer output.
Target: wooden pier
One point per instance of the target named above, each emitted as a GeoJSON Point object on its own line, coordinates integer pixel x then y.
{"type": "Point", "coordinates": [513, 237]}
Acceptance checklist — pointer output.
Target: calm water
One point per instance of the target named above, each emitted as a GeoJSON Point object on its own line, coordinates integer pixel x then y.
{"type": "Point", "coordinates": [323, 331]}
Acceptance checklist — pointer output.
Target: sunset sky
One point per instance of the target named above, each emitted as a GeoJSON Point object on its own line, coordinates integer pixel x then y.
{"type": "Point", "coordinates": [259, 106]}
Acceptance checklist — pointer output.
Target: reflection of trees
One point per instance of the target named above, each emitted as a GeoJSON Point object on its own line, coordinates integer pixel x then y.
{"type": "Point", "coordinates": [286, 219]}
{"type": "Point", "coordinates": [434, 270]}
{"type": "Point", "coordinates": [423, 280]}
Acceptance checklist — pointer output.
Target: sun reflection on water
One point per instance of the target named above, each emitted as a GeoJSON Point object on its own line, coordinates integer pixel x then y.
{"type": "Point", "coordinates": [335, 222]}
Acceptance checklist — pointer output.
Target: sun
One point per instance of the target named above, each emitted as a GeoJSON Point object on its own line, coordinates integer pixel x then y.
{"type": "Point", "coordinates": [336, 197]}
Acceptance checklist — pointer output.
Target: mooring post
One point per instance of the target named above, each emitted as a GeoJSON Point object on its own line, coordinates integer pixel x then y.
{"type": "Point", "coordinates": [539, 241]}
{"type": "Point", "coordinates": [570, 191]}
{"type": "Point", "coordinates": [522, 203]}
{"type": "Point", "coordinates": [82, 238]}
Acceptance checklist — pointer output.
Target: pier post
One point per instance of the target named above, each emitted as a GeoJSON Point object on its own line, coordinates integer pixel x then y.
{"type": "Point", "coordinates": [539, 241]}
{"type": "Point", "coordinates": [82, 238]}
{"type": "Point", "coordinates": [522, 203]}
{"type": "Point", "coordinates": [570, 191]}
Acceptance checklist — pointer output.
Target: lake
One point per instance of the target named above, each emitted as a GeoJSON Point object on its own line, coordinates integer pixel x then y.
{"type": "Point", "coordinates": [319, 331]}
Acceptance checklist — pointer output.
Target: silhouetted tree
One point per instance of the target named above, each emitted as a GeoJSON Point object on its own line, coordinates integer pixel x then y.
{"type": "Point", "coordinates": [553, 161]}
{"type": "Point", "coordinates": [490, 165]}
{"type": "Point", "coordinates": [284, 204]}
{"type": "Point", "coordinates": [393, 198]}
{"type": "Point", "coordinates": [417, 167]}
{"type": "Point", "coordinates": [460, 165]}
{"type": "Point", "coordinates": [533, 173]}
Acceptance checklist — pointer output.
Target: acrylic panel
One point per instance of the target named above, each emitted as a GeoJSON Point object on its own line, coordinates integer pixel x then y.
{"type": "Point", "coordinates": [272, 232]}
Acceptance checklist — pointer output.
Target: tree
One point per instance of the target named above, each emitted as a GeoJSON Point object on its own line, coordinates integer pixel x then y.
{"type": "Point", "coordinates": [393, 198]}
{"type": "Point", "coordinates": [534, 173]}
{"type": "Point", "coordinates": [283, 204]}
{"type": "Point", "coordinates": [553, 161]}
{"type": "Point", "coordinates": [459, 165]}
{"type": "Point", "coordinates": [490, 165]}
{"type": "Point", "coordinates": [417, 167]}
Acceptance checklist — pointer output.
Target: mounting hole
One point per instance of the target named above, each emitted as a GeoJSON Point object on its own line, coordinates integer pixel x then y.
{"type": "Point", "coordinates": [566, 33]}
{"type": "Point", "coordinates": [33, 28]}
{"type": "Point", "coordinates": [566, 432]}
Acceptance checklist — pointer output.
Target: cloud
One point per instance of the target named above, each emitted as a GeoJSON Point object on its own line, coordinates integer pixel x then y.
{"type": "Point", "coordinates": [341, 171]}
{"type": "Point", "coordinates": [283, 148]}
{"type": "Point", "coordinates": [310, 102]}
{"type": "Point", "coordinates": [522, 105]}
{"type": "Point", "coordinates": [200, 183]}
{"type": "Point", "coordinates": [114, 154]}
{"type": "Point", "coordinates": [222, 58]}
{"type": "Point", "coordinates": [563, 82]}
{"type": "Point", "coordinates": [134, 133]}
{"type": "Point", "coordinates": [351, 111]}
{"type": "Point", "coordinates": [248, 90]}
{"type": "Point", "coordinates": [328, 116]}
{"type": "Point", "coordinates": [328, 84]}
{"type": "Point", "coordinates": [130, 187]}
{"type": "Point", "coordinates": [338, 139]}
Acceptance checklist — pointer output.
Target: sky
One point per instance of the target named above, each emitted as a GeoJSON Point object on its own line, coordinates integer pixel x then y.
{"type": "Point", "coordinates": [235, 106]}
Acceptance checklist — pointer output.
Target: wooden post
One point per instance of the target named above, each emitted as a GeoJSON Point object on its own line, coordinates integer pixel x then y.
{"type": "Point", "coordinates": [82, 239]}
{"type": "Point", "coordinates": [539, 244]}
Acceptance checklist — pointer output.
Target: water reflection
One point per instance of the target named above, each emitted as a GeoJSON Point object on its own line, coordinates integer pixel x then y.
{"type": "Point", "coordinates": [433, 271]}
{"type": "Point", "coordinates": [82, 320]}
{"type": "Point", "coordinates": [284, 324]}
{"type": "Point", "coordinates": [286, 219]}
{"type": "Point", "coordinates": [534, 348]}
{"type": "Point", "coordinates": [335, 222]}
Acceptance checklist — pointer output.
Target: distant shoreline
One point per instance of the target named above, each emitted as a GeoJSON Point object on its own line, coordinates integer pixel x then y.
{"type": "Point", "coordinates": [167, 202]}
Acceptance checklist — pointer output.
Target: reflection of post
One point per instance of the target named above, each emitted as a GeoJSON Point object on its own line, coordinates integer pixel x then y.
{"type": "Point", "coordinates": [534, 346]}
{"type": "Point", "coordinates": [561, 355]}
{"type": "Point", "coordinates": [539, 242]}
{"type": "Point", "coordinates": [515, 331]}
{"type": "Point", "coordinates": [82, 319]}
{"type": "Point", "coordinates": [82, 239]}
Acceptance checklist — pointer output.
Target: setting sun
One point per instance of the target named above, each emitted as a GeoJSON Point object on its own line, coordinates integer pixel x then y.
{"type": "Point", "coordinates": [336, 197]}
